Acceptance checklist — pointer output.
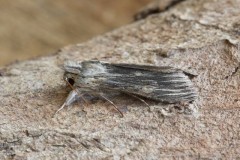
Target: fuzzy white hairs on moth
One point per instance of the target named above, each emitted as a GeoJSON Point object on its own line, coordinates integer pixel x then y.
{"type": "Point", "coordinates": [72, 67]}
{"type": "Point", "coordinates": [159, 83]}
{"type": "Point", "coordinates": [94, 69]}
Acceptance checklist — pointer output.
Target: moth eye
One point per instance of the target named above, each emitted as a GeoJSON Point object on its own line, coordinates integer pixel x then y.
{"type": "Point", "coordinates": [71, 81]}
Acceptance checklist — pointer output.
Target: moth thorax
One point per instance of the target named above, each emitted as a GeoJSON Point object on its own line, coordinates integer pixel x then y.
{"type": "Point", "coordinates": [93, 69]}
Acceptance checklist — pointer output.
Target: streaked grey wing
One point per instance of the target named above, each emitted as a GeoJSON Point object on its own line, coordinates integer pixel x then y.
{"type": "Point", "coordinates": [164, 84]}
{"type": "Point", "coordinates": [145, 67]}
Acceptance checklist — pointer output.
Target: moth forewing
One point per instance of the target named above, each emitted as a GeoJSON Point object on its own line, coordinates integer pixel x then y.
{"type": "Point", "coordinates": [164, 84]}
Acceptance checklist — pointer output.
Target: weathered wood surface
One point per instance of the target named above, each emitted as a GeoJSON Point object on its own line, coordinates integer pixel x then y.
{"type": "Point", "coordinates": [200, 36]}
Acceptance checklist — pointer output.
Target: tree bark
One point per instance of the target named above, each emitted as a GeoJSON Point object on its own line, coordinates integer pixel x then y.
{"type": "Point", "coordinates": [200, 37]}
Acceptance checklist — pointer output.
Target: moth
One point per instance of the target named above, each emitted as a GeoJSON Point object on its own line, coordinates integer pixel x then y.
{"type": "Point", "coordinates": [164, 84]}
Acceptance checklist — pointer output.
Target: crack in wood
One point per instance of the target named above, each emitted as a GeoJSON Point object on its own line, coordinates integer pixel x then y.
{"type": "Point", "coordinates": [155, 8]}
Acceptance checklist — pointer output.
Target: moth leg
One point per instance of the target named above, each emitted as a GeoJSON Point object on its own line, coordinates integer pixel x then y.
{"type": "Point", "coordinates": [72, 97]}
{"type": "Point", "coordinates": [140, 100]}
{"type": "Point", "coordinates": [112, 104]}
{"type": "Point", "coordinates": [86, 101]}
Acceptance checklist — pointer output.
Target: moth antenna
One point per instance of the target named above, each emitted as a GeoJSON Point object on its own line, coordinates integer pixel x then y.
{"type": "Point", "coordinates": [140, 100]}
{"type": "Point", "coordinates": [112, 104]}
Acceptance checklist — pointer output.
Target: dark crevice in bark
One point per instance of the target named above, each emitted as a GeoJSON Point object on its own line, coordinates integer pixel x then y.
{"type": "Point", "coordinates": [145, 13]}
{"type": "Point", "coordinates": [173, 3]}
{"type": "Point", "coordinates": [154, 9]}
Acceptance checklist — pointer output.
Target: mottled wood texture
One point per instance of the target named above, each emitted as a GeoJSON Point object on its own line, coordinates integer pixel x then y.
{"type": "Point", "coordinates": [198, 36]}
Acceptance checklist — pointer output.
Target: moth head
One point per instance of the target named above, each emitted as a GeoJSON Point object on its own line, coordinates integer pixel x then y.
{"type": "Point", "coordinates": [72, 71]}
